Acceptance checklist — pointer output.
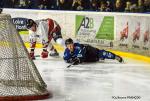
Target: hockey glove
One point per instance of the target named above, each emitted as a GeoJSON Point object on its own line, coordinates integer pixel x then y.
{"type": "Point", "coordinates": [76, 61]}
{"type": "Point", "coordinates": [44, 54]}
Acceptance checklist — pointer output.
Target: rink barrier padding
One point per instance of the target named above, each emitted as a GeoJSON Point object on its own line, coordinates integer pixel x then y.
{"type": "Point", "coordinates": [132, 55]}
{"type": "Point", "coordinates": [101, 28]}
{"type": "Point", "coordinates": [124, 54]}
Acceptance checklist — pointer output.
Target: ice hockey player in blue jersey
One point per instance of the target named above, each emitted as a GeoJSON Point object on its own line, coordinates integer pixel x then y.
{"type": "Point", "coordinates": [76, 53]}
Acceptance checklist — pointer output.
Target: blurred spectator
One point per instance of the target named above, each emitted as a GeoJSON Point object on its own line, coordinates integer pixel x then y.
{"type": "Point", "coordinates": [47, 4]}
{"type": "Point", "coordinates": [86, 4]}
{"type": "Point", "coordinates": [102, 6]}
{"type": "Point", "coordinates": [22, 4]}
{"type": "Point", "coordinates": [109, 6]}
{"type": "Point", "coordinates": [118, 6]}
{"type": "Point", "coordinates": [62, 5]}
{"type": "Point", "coordinates": [8, 3]}
{"type": "Point", "coordinates": [128, 6]}
{"type": "Point", "coordinates": [141, 6]}
{"type": "Point", "coordinates": [134, 1]}
{"type": "Point", "coordinates": [93, 5]}
{"type": "Point", "coordinates": [43, 4]}
{"type": "Point", "coordinates": [32, 4]}
{"type": "Point", "coordinates": [1, 4]}
{"type": "Point", "coordinates": [147, 5]}
{"type": "Point", "coordinates": [77, 5]}
{"type": "Point", "coordinates": [29, 6]}
{"type": "Point", "coordinates": [134, 8]}
{"type": "Point", "coordinates": [69, 4]}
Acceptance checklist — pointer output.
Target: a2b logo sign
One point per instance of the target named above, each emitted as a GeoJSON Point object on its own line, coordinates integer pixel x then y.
{"type": "Point", "coordinates": [87, 22]}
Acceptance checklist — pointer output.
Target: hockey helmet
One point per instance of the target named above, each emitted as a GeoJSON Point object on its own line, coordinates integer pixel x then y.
{"type": "Point", "coordinates": [29, 23]}
{"type": "Point", "coordinates": [68, 41]}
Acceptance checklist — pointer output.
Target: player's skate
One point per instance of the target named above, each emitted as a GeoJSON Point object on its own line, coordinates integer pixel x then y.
{"type": "Point", "coordinates": [54, 53]}
{"type": "Point", "coordinates": [119, 58]}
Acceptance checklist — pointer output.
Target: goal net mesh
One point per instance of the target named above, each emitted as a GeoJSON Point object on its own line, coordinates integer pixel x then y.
{"type": "Point", "coordinates": [19, 77]}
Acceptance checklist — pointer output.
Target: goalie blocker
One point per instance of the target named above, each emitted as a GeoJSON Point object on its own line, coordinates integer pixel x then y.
{"type": "Point", "coordinates": [76, 53]}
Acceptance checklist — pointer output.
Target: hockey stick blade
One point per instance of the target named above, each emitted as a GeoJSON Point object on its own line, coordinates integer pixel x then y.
{"type": "Point", "coordinates": [72, 64]}
{"type": "Point", "coordinates": [69, 66]}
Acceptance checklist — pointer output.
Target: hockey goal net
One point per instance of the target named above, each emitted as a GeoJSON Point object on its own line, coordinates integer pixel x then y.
{"type": "Point", "coordinates": [19, 77]}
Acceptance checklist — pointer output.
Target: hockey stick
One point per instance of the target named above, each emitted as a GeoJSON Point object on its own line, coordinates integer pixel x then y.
{"type": "Point", "coordinates": [72, 64]}
{"type": "Point", "coordinates": [69, 65]}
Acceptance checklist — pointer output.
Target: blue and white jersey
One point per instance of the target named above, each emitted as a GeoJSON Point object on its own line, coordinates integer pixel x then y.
{"type": "Point", "coordinates": [87, 53]}
{"type": "Point", "coordinates": [79, 52]}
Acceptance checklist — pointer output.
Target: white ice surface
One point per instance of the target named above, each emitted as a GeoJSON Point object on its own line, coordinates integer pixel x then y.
{"type": "Point", "coordinates": [99, 81]}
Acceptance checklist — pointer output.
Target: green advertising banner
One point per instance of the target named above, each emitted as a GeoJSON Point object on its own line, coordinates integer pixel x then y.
{"type": "Point", "coordinates": [106, 30]}
{"type": "Point", "coordinates": [95, 27]}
